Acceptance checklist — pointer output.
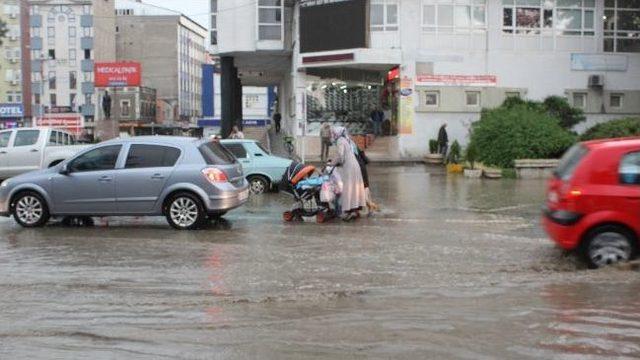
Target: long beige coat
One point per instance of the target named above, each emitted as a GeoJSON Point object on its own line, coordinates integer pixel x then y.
{"type": "Point", "coordinates": [353, 194]}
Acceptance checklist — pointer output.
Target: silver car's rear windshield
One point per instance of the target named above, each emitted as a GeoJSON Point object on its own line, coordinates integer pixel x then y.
{"type": "Point", "coordinates": [215, 154]}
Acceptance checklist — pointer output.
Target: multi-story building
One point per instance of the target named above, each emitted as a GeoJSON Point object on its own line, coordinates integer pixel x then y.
{"type": "Point", "coordinates": [67, 37]}
{"type": "Point", "coordinates": [428, 62]}
{"type": "Point", "coordinates": [171, 49]}
{"type": "Point", "coordinates": [11, 91]}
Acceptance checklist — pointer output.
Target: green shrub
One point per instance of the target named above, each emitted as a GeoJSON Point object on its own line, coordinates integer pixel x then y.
{"type": "Point", "coordinates": [471, 154]}
{"type": "Point", "coordinates": [454, 153]}
{"type": "Point", "coordinates": [555, 106]}
{"type": "Point", "coordinates": [433, 146]}
{"type": "Point", "coordinates": [520, 131]}
{"type": "Point", "coordinates": [613, 129]}
{"type": "Point", "coordinates": [509, 173]}
{"type": "Point", "coordinates": [559, 107]}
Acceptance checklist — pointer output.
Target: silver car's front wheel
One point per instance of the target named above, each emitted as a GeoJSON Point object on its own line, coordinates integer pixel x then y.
{"type": "Point", "coordinates": [185, 212]}
{"type": "Point", "coordinates": [30, 210]}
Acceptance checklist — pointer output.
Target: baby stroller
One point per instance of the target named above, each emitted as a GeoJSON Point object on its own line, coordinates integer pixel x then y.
{"type": "Point", "coordinates": [314, 195]}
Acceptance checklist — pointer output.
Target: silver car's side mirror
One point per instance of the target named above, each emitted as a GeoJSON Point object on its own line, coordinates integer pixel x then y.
{"type": "Point", "coordinates": [64, 169]}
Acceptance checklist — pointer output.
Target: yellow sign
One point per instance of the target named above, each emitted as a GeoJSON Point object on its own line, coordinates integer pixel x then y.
{"type": "Point", "coordinates": [405, 123]}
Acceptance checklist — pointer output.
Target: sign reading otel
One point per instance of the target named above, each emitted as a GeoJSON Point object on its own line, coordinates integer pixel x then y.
{"type": "Point", "coordinates": [117, 74]}
{"type": "Point", "coordinates": [11, 111]}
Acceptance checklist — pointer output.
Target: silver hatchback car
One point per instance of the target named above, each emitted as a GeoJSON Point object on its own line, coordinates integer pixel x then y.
{"type": "Point", "coordinates": [185, 179]}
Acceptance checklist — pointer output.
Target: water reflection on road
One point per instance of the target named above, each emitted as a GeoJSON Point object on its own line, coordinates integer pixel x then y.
{"type": "Point", "coordinates": [451, 268]}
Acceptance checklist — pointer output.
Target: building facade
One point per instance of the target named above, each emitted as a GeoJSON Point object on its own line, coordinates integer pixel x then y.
{"type": "Point", "coordinates": [133, 108]}
{"type": "Point", "coordinates": [12, 110]}
{"type": "Point", "coordinates": [67, 38]}
{"type": "Point", "coordinates": [171, 49]}
{"type": "Point", "coordinates": [429, 62]}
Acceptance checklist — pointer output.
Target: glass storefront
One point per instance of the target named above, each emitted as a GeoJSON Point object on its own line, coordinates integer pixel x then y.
{"type": "Point", "coordinates": [346, 97]}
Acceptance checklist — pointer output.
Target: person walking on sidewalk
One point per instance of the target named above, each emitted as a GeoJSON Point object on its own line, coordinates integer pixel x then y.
{"type": "Point", "coordinates": [377, 117]}
{"type": "Point", "coordinates": [325, 139]}
{"type": "Point", "coordinates": [443, 140]}
{"type": "Point", "coordinates": [236, 133]}
{"type": "Point", "coordinates": [277, 119]}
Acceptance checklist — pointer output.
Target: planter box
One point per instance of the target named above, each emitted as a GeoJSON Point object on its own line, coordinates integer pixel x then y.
{"type": "Point", "coordinates": [433, 159]}
{"type": "Point", "coordinates": [535, 168]}
{"type": "Point", "coordinates": [473, 173]}
{"type": "Point", "coordinates": [493, 173]}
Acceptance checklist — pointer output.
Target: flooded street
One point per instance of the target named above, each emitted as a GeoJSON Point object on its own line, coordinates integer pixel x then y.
{"type": "Point", "coordinates": [452, 268]}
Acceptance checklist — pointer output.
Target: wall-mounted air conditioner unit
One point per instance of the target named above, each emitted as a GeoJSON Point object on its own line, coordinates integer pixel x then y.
{"type": "Point", "coordinates": [13, 38]}
{"type": "Point", "coordinates": [13, 15]}
{"type": "Point", "coordinates": [14, 82]}
{"type": "Point", "coordinates": [14, 61]}
{"type": "Point", "coordinates": [596, 81]}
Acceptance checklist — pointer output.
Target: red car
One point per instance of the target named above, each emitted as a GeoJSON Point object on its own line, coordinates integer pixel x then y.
{"type": "Point", "coordinates": [593, 201]}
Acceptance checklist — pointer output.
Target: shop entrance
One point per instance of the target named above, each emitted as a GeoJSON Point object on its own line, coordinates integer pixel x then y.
{"type": "Point", "coordinates": [349, 97]}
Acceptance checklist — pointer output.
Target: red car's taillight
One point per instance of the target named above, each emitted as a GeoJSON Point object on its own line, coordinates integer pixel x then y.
{"type": "Point", "coordinates": [214, 175]}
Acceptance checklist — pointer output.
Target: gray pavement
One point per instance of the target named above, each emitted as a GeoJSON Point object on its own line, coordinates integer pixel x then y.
{"type": "Point", "coordinates": [452, 268]}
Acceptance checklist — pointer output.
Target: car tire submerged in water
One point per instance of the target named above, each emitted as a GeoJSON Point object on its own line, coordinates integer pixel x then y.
{"type": "Point", "coordinates": [185, 211]}
{"type": "Point", "coordinates": [607, 245]}
{"type": "Point", "coordinates": [30, 210]}
{"type": "Point", "coordinates": [258, 184]}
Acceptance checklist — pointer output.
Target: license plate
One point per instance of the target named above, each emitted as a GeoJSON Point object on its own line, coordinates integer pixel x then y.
{"type": "Point", "coordinates": [244, 195]}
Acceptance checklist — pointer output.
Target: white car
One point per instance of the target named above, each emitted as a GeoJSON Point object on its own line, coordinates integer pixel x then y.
{"type": "Point", "coordinates": [27, 149]}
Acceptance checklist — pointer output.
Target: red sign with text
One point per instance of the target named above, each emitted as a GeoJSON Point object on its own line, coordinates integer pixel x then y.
{"type": "Point", "coordinates": [117, 74]}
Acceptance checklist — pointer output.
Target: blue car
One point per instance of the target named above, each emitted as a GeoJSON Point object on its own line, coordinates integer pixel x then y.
{"type": "Point", "coordinates": [262, 170]}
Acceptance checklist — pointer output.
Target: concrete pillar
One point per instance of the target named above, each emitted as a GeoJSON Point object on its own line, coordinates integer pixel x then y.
{"type": "Point", "coordinates": [228, 106]}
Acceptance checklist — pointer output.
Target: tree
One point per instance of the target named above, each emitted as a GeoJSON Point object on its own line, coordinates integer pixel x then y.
{"type": "Point", "coordinates": [3, 30]}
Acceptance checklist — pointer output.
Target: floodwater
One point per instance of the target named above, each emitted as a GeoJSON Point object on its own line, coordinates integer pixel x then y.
{"type": "Point", "coordinates": [452, 268]}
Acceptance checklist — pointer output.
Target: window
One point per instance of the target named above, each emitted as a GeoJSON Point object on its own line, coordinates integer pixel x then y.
{"type": "Point", "coordinates": [237, 150]}
{"type": "Point", "coordinates": [270, 19]}
{"type": "Point", "coordinates": [432, 98]}
{"type": "Point", "coordinates": [26, 137]}
{"type": "Point", "coordinates": [125, 108]}
{"type": "Point", "coordinates": [510, 94]}
{"type": "Point", "coordinates": [55, 138]}
{"type": "Point", "coordinates": [4, 138]}
{"type": "Point", "coordinates": [53, 101]}
{"type": "Point", "coordinates": [147, 156]}
{"type": "Point", "coordinates": [214, 22]}
{"type": "Point", "coordinates": [52, 80]}
{"type": "Point", "coordinates": [214, 154]}
{"type": "Point", "coordinates": [630, 169]}
{"type": "Point", "coordinates": [10, 97]}
{"type": "Point", "coordinates": [87, 54]}
{"type": "Point", "coordinates": [473, 98]}
{"type": "Point", "coordinates": [453, 15]}
{"type": "Point", "coordinates": [384, 15]}
{"type": "Point", "coordinates": [72, 57]}
{"type": "Point", "coordinates": [52, 54]}
{"type": "Point", "coordinates": [73, 79]}
{"type": "Point", "coordinates": [567, 17]}
{"type": "Point", "coordinates": [102, 158]}
{"type": "Point", "coordinates": [622, 26]}
{"type": "Point", "coordinates": [72, 101]}
{"type": "Point", "coordinates": [615, 101]}
{"type": "Point", "coordinates": [579, 100]}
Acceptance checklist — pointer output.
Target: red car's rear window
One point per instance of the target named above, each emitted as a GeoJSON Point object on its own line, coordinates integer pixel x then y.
{"type": "Point", "coordinates": [570, 160]}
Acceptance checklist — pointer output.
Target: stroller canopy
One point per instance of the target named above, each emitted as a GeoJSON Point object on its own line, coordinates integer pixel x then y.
{"type": "Point", "coordinates": [297, 171]}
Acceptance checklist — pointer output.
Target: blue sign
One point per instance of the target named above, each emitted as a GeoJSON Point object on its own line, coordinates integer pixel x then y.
{"type": "Point", "coordinates": [11, 111]}
{"type": "Point", "coordinates": [246, 122]}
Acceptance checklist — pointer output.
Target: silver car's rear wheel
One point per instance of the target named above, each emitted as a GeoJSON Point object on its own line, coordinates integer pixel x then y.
{"type": "Point", "coordinates": [185, 211]}
{"type": "Point", "coordinates": [30, 210]}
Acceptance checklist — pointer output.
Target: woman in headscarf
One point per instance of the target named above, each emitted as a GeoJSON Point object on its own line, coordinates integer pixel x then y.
{"type": "Point", "coordinates": [353, 196]}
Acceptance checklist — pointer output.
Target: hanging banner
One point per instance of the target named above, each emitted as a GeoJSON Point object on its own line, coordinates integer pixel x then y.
{"type": "Point", "coordinates": [457, 80]}
{"type": "Point", "coordinates": [405, 125]}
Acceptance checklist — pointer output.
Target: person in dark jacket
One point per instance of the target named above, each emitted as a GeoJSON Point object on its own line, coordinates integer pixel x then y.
{"type": "Point", "coordinates": [277, 118]}
{"type": "Point", "coordinates": [443, 140]}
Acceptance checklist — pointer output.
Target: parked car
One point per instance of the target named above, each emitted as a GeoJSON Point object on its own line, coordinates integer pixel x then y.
{"type": "Point", "coordinates": [593, 201]}
{"type": "Point", "coordinates": [262, 170]}
{"type": "Point", "coordinates": [27, 149]}
{"type": "Point", "coordinates": [185, 179]}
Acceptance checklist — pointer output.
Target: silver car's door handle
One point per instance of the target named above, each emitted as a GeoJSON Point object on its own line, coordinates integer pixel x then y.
{"type": "Point", "coordinates": [105, 178]}
{"type": "Point", "coordinates": [157, 176]}
{"type": "Point", "coordinates": [34, 150]}
{"type": "Point", "coordinates": [3, 152]}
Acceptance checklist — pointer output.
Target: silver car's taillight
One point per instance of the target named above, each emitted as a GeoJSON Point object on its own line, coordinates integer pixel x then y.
{"type": "Point", "coordinates": [214, 175]}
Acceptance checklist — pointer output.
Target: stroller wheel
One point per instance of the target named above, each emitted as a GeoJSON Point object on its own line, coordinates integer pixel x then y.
{"type": "Point", "coordinates": [287, 216]}
{"type": "Point", "coordinates": [321, 217]}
